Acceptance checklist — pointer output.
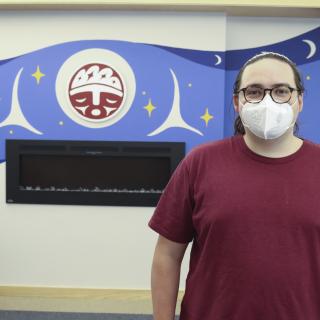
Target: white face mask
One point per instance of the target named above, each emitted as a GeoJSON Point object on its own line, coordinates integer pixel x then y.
{"type": "Point", "coordinates": [267, 119]}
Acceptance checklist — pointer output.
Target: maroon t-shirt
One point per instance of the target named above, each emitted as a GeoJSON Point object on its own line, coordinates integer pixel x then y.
{"type": "Point", "coordinates": [255, 226]}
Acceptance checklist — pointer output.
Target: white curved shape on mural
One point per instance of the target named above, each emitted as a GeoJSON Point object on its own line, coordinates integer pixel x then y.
{"type": "Point", "coordinates": [313, 47]}
{"type": "Point", "coordinates": [174, 119]}
{"type": "Point", "coordinates": [16, 116]}
{"type": "Point", "coordinates": [218, 59]}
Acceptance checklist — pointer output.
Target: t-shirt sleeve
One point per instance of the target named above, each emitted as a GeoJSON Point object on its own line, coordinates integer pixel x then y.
{"type": "Point", "coordinates": [172, 217]}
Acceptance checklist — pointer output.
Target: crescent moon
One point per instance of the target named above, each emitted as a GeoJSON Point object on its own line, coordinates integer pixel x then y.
{"type": "Point", "coordinates": [312, 46]}
{"type": "Point", "coordinates": [218, 59]}
{"type": "Point", "coordinates": [174, 119]}
{"type": "Point", "coordinates": [16, 116]}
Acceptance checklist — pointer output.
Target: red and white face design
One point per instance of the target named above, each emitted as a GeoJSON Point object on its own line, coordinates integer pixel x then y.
{"type": "Point", "coordinates": [96, 91]}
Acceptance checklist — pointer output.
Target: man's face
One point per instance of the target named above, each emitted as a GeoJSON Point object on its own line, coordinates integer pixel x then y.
{"type": "Point", "coordinates": [267, 73]}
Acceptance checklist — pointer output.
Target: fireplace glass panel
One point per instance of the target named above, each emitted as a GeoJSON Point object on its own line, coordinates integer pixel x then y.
{"type": "Point", "coordinates": [121, 173]}
{"type": "Point", "coordinates": [80, 173]}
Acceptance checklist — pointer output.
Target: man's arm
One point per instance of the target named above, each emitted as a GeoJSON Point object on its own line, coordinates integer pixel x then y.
{"type": "Point", "coordinates": [165, 276]}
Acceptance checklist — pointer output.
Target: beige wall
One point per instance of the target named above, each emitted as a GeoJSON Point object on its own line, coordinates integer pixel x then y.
{"type": "Point", "coordinates": [105, 247]}
{"type": "Point", "coordinates": [88, 246]}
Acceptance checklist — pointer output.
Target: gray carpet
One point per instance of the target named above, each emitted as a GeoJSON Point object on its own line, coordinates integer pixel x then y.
{"type": "Point", "coordinates": [31, 315]}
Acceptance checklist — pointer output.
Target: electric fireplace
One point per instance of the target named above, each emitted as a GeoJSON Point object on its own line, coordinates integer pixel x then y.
{"type": "Point", "coordinates": [117, 173]}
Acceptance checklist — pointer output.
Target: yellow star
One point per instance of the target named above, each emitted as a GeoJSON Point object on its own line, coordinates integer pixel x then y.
{"type": "Point", "coordinates": [206, 117]}
{"type": "Point", "coordinates": [38, 75]}
{"type": "Point", "coordinates": [150, 107]}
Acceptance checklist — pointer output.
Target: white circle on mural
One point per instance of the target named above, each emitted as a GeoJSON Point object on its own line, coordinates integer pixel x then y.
{"type": "Point", "coordinates": [95, 87]}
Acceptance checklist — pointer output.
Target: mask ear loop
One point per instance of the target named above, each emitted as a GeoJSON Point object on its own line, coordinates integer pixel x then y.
{"type": "Point", "coordinates": [242, 105]}
{"type": "Point", "coordinates": [294, 120]}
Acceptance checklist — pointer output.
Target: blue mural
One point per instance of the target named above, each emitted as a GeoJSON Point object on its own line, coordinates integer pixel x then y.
{"type": "Point", "coordinates": [118, 90]}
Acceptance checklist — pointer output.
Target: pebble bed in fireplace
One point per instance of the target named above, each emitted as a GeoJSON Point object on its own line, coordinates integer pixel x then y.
{"type": "Point", "coordinates": [96, 189]}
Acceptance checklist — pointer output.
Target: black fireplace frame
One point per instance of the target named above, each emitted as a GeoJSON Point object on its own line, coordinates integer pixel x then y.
{"type": "Point", "coordinates": [175, 151]}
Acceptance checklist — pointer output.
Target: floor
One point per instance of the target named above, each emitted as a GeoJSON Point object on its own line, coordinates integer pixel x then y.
{"type": "Point", "coordinates": [99, 307]}
{"type": "Point", "coordinates": [31, 315]}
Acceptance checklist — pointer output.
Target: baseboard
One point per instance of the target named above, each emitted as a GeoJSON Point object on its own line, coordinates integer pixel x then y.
{"type": "Point", "coordinates": [62, 292]}
{"type": "Point", "coordinates": [77, 299]}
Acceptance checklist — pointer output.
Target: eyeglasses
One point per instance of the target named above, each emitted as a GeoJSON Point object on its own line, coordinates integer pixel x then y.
{"type": "Point", "coordinates": [279, 94]}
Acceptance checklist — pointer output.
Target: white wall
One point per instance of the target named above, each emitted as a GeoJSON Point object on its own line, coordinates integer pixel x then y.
{"type": "Point", "coordinates": [88, 246]}
{"type": "Point", "coordinates": [251, 32]}
{"type": "Point", "coordinates": [74, 246]}
{"type": "Point", "coordinates": [25, 31]}
{"type": "Point", "coordinates": [105, 247]}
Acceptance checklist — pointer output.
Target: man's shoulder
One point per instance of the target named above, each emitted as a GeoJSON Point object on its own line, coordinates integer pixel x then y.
{"type": "Point", "coordinates": [212, 146]}
{"type": "Point", "coordinates": [311, 151]}
{"type": "Point", "coordinates": [312, 145]}
{"type": "Point", "coordinates": [209, 150]}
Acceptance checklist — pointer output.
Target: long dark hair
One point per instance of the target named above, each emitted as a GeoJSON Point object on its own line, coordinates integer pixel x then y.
{"type": "Point", "coordinates": [238, 126]}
